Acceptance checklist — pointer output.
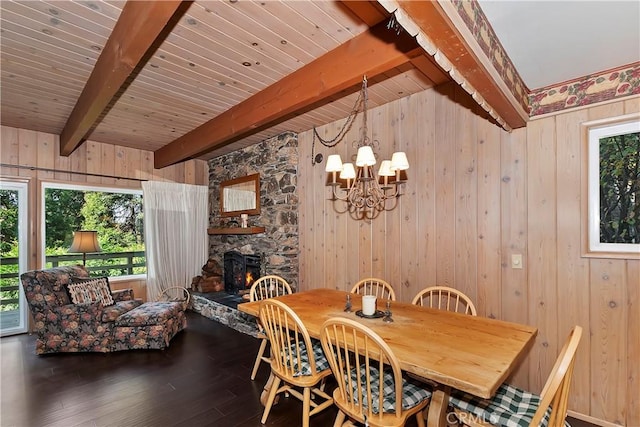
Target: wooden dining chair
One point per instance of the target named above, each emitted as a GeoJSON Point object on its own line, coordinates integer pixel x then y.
{"type": "Point", "coordinates": [445, 298]}
{"type": "Point", "coordinates": [263, 288]}
{"type": "Point", "coordinates": [296, 360]}
{"type": "Point", "coordinates": [374, 286]}
{"type": "Point", "coordinates": [371, 389]}
{"type": "Point", "coordinates": [515, 407]}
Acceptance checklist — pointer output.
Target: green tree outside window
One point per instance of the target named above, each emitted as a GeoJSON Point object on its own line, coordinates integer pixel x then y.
{"type": "Point", "coordinates": [620, 188]}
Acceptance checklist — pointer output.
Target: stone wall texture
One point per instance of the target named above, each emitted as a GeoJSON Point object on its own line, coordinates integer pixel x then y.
{"type": "Point", "coordinates": [228, 316]}
{"type": "Point", "coordinates": [276, 160]}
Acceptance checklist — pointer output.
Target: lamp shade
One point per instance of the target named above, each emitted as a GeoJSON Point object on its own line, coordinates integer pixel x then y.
{"type": "Point", "coordinates": [385, 169]}
{"type": "Point", "coordinates": [334, 163]}
{"type": "Point", "coordinates": [348, 172]}
{"type": "Point", "coordinates": [365, 156]}
{"type": "Point", "coordinates": [84, 242]}
{"type": "Point", "coordinates": [399, 161]}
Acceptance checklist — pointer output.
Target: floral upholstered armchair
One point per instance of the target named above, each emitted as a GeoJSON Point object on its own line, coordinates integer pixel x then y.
{"type": "Point", "coordinates": [73, 312]}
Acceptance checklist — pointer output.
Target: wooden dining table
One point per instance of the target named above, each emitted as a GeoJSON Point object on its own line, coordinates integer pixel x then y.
{"type": "Point", "coordinates": [457, 351]}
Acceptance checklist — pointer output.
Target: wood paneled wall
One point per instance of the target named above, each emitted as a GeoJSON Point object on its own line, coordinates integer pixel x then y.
{"type": "Point", "coordinates": [42, 150]}
{"type": "Point", "coordinates": [476, 195]}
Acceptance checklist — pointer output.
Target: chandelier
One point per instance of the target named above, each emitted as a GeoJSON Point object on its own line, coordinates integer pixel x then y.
{"type": "Point", "coordinates": [365, 193]}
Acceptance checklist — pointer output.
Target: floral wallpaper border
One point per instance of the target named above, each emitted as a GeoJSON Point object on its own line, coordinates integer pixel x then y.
{"type": "Point", "coordinates": [590, 89]}
{"type": "Point", "coordinates": [476, 21]}
{"type": "Point", "coordinates": [604, 86]}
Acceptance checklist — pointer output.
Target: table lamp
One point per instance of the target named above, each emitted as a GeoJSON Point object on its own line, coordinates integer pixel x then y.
{"type": "Point", "coordinates": [85, 241]}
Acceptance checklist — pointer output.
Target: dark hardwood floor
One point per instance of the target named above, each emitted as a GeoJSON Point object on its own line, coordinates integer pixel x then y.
{"type": "Point", "coordinates": [202, 379]}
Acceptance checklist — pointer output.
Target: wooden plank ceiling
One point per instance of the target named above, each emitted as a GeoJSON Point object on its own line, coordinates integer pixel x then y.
{"type": "Point", "coordinates": [209, 77]}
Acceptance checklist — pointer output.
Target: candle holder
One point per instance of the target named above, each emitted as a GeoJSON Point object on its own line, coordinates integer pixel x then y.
{"type": "Point", "coordinates": [347, 306]}
{"type": "Point", "coordinates": [387, 313]}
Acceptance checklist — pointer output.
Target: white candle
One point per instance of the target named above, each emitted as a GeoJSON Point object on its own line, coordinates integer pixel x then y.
{"type": "Point", "coordinates": [368, 305]}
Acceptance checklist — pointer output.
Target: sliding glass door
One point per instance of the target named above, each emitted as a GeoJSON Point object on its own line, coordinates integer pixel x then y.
{"type": "Point", "coordinates": [13, 256]}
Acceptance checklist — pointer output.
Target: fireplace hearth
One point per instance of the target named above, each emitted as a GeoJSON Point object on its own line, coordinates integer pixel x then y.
{"type": "Point", "coordinates": [240, 271]}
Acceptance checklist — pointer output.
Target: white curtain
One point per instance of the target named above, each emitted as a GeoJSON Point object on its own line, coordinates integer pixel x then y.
{"type": "Point", "coordinates": [175, 233]}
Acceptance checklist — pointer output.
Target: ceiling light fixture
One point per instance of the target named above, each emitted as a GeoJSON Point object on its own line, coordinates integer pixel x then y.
{"type": "Point", "coordinates": [366, 197]}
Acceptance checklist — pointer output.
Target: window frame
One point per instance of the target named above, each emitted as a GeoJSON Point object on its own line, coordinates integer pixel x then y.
{"type": "Point", "coordinates": [593, 132]}
{"type": "Point", "coordinates": [82, 187]}
{"type": "Point", "coordinates": [23, 187]}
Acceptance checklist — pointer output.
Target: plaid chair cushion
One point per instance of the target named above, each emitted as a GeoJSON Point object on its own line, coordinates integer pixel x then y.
{"type": "Point", "coordinates": [510, 407]}
{"type": "Point", "coordinates": [412, 394]}
{"type": "Point", "coordinates": [321, 361]}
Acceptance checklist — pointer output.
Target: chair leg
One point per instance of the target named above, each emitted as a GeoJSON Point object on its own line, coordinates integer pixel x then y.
{"type": "Point", "coordinates": [321, 388]}
{"type": "Point", "coordinates": [272, 395]}
{"type": "Point", "coordinates": [420, 419]}
{"type": "Point", "coordinates": [256, 365]}
{"type": "Point", "coordinates": [339, 419]}
{"type": "Point", "coordinates": [306, 405]}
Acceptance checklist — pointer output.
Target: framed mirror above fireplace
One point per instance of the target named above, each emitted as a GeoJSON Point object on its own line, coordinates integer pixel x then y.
{"type": "Point", "coordinates": [240, 196]}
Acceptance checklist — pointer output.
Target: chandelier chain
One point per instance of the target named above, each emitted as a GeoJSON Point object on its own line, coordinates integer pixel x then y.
{"type": "Point", "coordinates": [329, 143]}
{"type": "Point", "coordinates": [365, 99]}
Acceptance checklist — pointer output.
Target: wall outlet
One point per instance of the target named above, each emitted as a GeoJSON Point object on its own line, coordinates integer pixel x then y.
{"type": "Point", "coordinates": [516, 261]}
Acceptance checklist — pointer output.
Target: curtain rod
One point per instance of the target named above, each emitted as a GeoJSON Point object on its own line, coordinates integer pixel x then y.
{"type": "Point", "coordinates": [35, 168]}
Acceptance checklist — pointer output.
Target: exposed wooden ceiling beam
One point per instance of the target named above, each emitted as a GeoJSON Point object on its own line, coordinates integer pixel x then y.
{"type": "Point", "coordinates": [433, 21]}
{"type": "Point", "coordinates": [336, 72]}
{"type": "Point", "coordinates": [140, 24]}
{"type": "Point", "coordinates": [427, 66]}
{"type": "Point", "coordinates": [372, 13]}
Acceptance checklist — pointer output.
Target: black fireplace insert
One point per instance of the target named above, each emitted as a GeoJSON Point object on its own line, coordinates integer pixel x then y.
{"type": "Point", "coordinates": [240, 271]}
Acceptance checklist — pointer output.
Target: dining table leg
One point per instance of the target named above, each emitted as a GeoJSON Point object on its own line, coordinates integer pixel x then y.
{"type": "Point", "coordinates": [437, 416]}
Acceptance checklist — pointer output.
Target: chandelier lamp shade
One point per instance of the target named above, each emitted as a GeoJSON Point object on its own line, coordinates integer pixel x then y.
{"type": "Point", "coordinates": [84, 241]}
{"type": "Point", "coordinates": [366, 193]}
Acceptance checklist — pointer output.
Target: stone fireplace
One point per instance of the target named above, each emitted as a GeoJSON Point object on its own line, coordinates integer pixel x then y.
{"type": "Point", "coordinates": [240, 271]}
{"type": "Point", "coordinates": [276, 160]}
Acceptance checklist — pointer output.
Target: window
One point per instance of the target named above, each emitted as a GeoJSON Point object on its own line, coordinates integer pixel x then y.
{"type": "Point", "coordinates": [614, 187]}
{"type": "Point", "coordinates": [14, 252]}
{"type": "Point", "coordinates": [116, 215]}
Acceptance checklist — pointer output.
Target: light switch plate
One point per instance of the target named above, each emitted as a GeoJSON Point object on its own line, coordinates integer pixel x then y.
{"type": "Point", "coordinates": [516, 261]}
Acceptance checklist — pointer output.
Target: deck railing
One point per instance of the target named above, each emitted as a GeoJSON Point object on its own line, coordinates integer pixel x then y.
{"type": "Point", "coordinates": [113, 264]}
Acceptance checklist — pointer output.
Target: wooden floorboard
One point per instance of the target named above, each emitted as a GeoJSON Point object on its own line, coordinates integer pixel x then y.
{"type": "Point", "coordinates": [202, 379]}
